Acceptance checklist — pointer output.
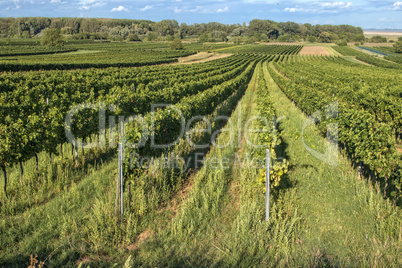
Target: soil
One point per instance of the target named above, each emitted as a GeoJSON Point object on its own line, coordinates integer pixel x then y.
{"type": "Point", "coordinates": [314, 50]}
{"type": "Point", "coordinates": [200, 57]}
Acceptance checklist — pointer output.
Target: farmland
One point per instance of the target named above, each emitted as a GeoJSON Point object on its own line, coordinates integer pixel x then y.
{"type": "Point", "coordinates": [195, 127]}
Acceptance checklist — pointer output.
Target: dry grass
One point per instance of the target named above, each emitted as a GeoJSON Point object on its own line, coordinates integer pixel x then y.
{"type": "Point", "coordinates": [314, 50]}
{"type": "Point", "coordinates": [200, 57]}
{"type": "Point", "coordinates": [140, 239]}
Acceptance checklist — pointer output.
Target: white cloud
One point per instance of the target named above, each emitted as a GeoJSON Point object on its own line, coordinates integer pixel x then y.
{"type": "Point", "coordinates": [397, 5]}
{"type": "Point", "coordinates": [55, 1]}
{"type": "Point", "coordinates": [88, 4]}
{"type": "Point", "coordinates": [293, 9]}
{"type": "Point", "coordinates": [226, 9]}
{"type": "Point", "coordinates": [198, 9]}
{"type": "Point", "coordinates": [337, 4]}
{"type": "Point", "coordinates": [147, 7]}
{"type": "Point", "coordinates": [118, 9]}
{"type": "Point", "coordinates": [317, 7]}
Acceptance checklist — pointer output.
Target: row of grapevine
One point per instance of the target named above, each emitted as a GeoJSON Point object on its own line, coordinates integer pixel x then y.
{"type": "Point", "coordinates": [169, 121]}
{"type": "Point", "coordinates": [107, 78]}
{"type": "Point", "coordinates": [347, 51]}
{"type": "Point", "coordinates": [360, 86]}
{"type": "Point", "coordinates": [265, 49]}
{"type": "Point", "coordinates": [391, 54]}
{"type": "Point", "coordinates": [361, 134]}
{"type": "Point", "coordinates": [33, 123]}
{"type": "Point", "coordinates": [148, 183]}
{"type": "Point", "coordinates": [269, 136]}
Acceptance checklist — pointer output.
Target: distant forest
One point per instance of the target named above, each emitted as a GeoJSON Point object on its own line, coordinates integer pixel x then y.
{"type": "Point", "coordinates": [165, 30]}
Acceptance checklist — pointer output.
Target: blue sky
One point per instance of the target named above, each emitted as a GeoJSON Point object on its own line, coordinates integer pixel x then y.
{"type": "Point", "coordinates": [366, 14]}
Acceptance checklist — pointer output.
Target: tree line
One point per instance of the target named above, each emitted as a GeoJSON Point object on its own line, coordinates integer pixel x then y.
{"type": "Point", "coordinates": [111, 29]}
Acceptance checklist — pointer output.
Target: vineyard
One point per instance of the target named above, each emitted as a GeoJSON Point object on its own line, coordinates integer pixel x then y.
{"type": "Point", "coordinates": [194, 139]}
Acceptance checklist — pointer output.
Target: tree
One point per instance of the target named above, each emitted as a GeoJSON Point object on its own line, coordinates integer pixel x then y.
{"type": "Point", "coordinates": [311, 39]}
{"type": "Point", "coordinates": [325, 37]}
{"type": "Point", "coordinates": [378, 39]}
{"type": "Point", "coordinates": [176, 44]}
{"type": "Point", "coordinates": [151, 36]}
{"type": "Point", "coordinates": [264, 38]}
{"type": "Point", "coordinates": [342, 42]}
{"type": "Point", "coordinates": [204, 38]}
{"type": "Point", "coordinates": [133, 38]}
{"type": "Point", "coordinates": [119, 38]}
{"type": "Point", "coordinates": [398, 47]}
{"type": "Point", "coordinates": [236, 40]}
{"type": "Point", "coordinates": [52, 38]}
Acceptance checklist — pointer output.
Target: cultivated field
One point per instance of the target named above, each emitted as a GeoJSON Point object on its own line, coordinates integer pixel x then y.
{"type": "Point", "coordinates": [314, 50]}
{"type": "Point", "coordinates": [139, 155]}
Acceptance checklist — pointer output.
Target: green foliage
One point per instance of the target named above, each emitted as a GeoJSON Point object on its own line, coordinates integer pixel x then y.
{"type": "Point", "coordinates": [204, 38]}
{"type": "Point", "coordinates": [367, 122]}
{"type": "Point", "coordinates": [133, 38]}
{"type": "Point", "coordinates": [342, 42]}
{"type": "Point", "coordinates": [207, 46]}
{"type": "Point", "coordinates": [378, 39]}
{"type": "Point", "coordinates": [169, 38]}
{"type": "Point", "coordinates": [325, 37]}
{"type": "Point", "coordinates": [347, 51]}
{"type": "Point", "coordinates": [52, 38]}
{"type": "Point", "coordinates": [119, 38]}
{"type": "Point", "coordinates": [284, 38]}
{"type": "Point", "coordinates": [398, 47]}
{"type": "Point", "coordinates": [151, 36]}
{"type": "Point", "coordinates": [176, 44]}
{"type": "Point", "coordinates": [236, 40]}
{"type": "Point", "coordinates": [269, 136]}
{"type": "Point", "coordinates": [312, 39]}
{"type": "Point", "coordinates": [264, 38]}
{"type": "Point", "coordinates": [25, 34]}
{"type": "Point", "coordinates": [251, 40]}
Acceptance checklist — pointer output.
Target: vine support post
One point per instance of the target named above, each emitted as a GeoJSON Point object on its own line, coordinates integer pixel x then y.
{"type": "Point", "coordinates": [22, 172]}
{"type": "Point", "coordinates": [61, 152]}
{"type": "Point", "coordinates": [76, 151]}
{"type": "Point", "coordinates": [360, 170]}
{"type": "Point", "coordinates": [267, 167]}
{"type": "Point", "coordinates": [37, 164]}
{"type": "Point", "coordinates": [119, 184]}
{"type": "Point", "coordinates": [5, 180]}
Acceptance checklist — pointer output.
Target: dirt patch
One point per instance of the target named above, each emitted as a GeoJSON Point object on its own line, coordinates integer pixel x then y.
{"type": "Point", "coordinates": [362, 62]}
{"type": "Point", "coordinates": [201, 57]}
{"type": "Point", "coordinates": [279, 73]}
{"type": "Point", "coordinates": [181, 195]}
{"type": "Point", "coordinates": [398, 148]}
{"type": "Point", "coordinates": [84, 260]}
{"type": "Point", "coordinates": [314, 50]}
{"type": "Point", "coordinates": [281, 43]}
{"type": "Point", "coordinates": [140, 239]}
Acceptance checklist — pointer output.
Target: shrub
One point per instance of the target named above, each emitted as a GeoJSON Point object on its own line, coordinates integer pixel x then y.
{"type": "Point", "coordinates": [176, 44]}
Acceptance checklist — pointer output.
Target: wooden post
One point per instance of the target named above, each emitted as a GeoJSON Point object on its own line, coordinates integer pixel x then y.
{"type": "Point", "coordinates": [267, 164]}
